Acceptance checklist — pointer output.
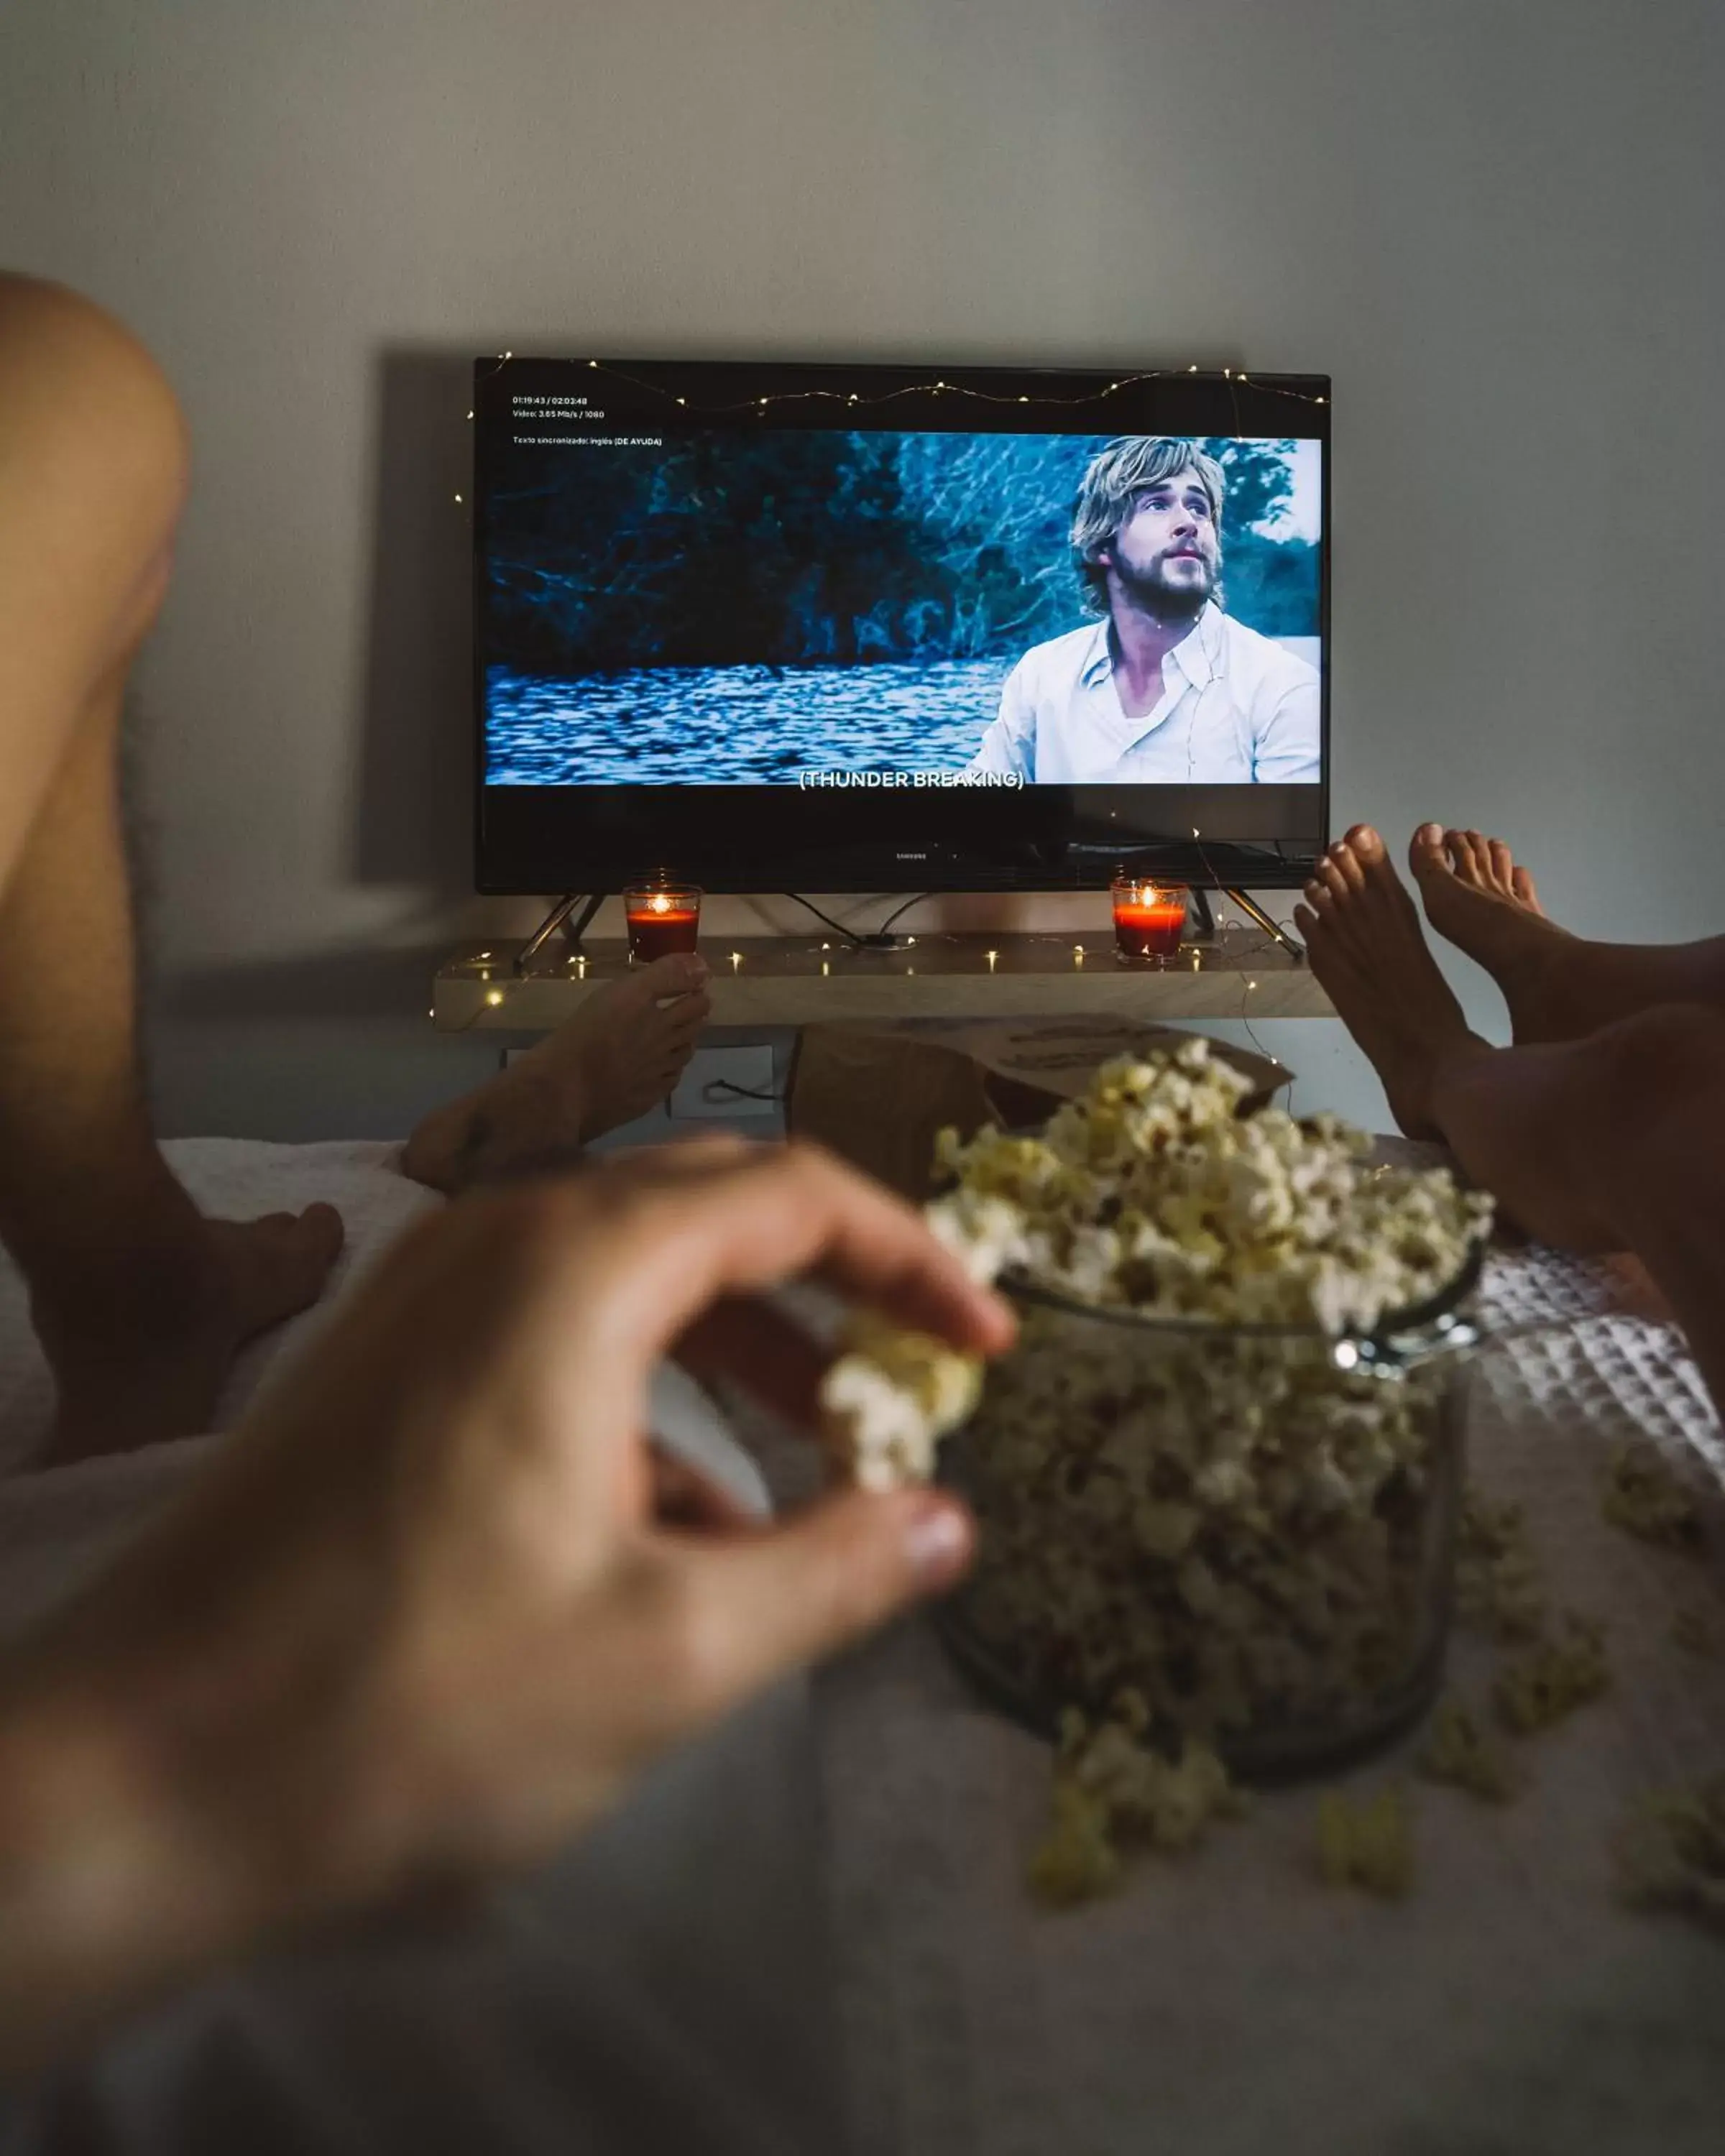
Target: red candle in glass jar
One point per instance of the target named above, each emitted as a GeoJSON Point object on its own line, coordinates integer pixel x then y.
{"type": "Point", "coordinates": [661, 920]}
{"type": "Point", "coordinates": [1149, 918]}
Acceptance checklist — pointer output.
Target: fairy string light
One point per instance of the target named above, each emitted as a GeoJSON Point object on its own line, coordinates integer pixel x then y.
{"type": "Point", "coordinates": [939, 386]}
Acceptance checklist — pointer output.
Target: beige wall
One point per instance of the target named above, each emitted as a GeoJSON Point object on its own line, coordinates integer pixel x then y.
{"type": "Point", "coordinates": [1497, 222]}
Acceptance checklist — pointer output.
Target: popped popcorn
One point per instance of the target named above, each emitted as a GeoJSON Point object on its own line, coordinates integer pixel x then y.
{"type": "Point", "coordinates": [887, 1398]}
{"type": "Point", "coordinates": [1369, 1845]}
{"type": "Point", "coordinates": [1110, 1789]}
{"type": "Point", "coordinates": [1230, 1526]}
{"type": "Point", "coordinates": [1153, 1191]}
{"type": "Point", "coordinates": [1553, 1677]}
{"type": "Point", "coordinates": [1644, 1497]}
{"type": "Point", "coordinates": [1498, 1583]}
{"type": "Point", "coordinates": [1670, 1852]}
{"type": "Point", "coordinates": [1458, 1751]}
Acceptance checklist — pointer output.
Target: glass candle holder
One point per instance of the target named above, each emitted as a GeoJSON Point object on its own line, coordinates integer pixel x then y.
{"type": "Point", "coordinates": [662, 918]}
{"type": "Point", "coordinates": [1149, 919]}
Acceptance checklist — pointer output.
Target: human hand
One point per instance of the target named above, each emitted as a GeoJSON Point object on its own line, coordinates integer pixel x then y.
{"type": "Point", "coordinates": [425, 1616]}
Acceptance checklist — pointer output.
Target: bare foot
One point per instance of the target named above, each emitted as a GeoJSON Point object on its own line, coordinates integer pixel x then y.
{"type": "Point", "coordinates": [620, 1055]}
{"type": "Point", "coordinates": [143, 1354]}
{"type": "Point", "coordinates": [1369, 953]}
{"type": "Point", "coordinates": [1477, 895]}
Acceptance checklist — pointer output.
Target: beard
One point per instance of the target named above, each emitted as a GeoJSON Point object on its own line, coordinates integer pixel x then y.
{"type": "Point", "coordinates": [1171, 605]}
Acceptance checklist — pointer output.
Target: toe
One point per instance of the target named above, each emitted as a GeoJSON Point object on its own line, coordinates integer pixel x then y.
{"type": "Point", "coordinates": [279, 1265]}
{"type": "Point", "coordinates": [1522, 884]}
{"type": "Point", "coordinates": [1317, 896]}
{"type": "Point", "coordinates": [682, 1023]}
{"type": "Point", "coordinates": [1503, 864]}
{"type": "Point", "coordinates": [1305, 920]}
{"type": "Point", "coordinates": [1365, 845]}
{"type": "Point", "coordinates": [1347, 867]}
{"type": "Point", "coordinates": [1330, 875]}
{"type": "Point", "coordinates": [323, 1232]}
{"type": "Point", "coordinates": [679, 974]}
{"type": "Point", "coordinates": [1425, 852]}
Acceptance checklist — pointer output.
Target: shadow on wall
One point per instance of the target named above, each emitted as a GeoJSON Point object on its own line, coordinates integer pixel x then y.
{"type": "Point", "coordinates": [414, 817]}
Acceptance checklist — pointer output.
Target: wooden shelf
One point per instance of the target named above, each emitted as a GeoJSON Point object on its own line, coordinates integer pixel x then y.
{"type": "Point", "coordinates": [790, 980]}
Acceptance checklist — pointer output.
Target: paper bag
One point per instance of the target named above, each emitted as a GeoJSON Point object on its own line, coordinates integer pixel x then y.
{"type": "Point", "coordinates": [877, 1097]}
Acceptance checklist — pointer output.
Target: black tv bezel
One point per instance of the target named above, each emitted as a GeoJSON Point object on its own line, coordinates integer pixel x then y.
{"type": "Point", "coordinates": [534, 839]}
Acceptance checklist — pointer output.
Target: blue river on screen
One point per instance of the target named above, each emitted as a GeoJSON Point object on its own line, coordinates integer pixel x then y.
{"type": "Point", "coordinates": [737, 726]}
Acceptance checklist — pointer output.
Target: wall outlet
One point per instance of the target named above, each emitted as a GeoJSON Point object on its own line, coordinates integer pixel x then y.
{"type": "Point", "coordinates": [723, 1082]}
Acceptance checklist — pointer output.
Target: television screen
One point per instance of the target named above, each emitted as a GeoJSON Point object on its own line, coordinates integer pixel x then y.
{"type": "Point", "coordinates": [841, 625]}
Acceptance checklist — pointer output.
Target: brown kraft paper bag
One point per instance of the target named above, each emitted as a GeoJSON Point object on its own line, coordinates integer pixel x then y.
{"type": "Point", "coordinates": [877, 1096]}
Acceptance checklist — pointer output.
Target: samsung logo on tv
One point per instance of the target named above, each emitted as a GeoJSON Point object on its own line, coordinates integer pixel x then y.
{"type": "Point", "coordinates": [910, 857]}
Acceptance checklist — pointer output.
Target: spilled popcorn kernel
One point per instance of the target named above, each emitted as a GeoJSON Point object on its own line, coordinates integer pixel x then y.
{"type": "Point", "coordinates": [1367, 1845]}
{"type": "Point", "coordinates": [1458, 1751]}
{"type": "Point", "coordinates": [1643, 1496]}
{"type": "Point", "coordinates": [1553, 1677]}
{"type": "Point", "coordinates": [1498, 1583]}
{"type": "Point", "coordinates": [1670, 1852]}
{"type": "Point", "coordinates": [1111, 1792]}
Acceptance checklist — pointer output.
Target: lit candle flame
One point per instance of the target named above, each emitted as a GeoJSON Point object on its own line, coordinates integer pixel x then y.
{"type": "Point", "coordinates": [661, 904]}
{"type": "Point", "coordinates": [992, 956]}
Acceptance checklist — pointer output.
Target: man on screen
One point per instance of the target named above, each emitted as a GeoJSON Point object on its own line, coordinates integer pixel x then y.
{"type": "Point", "coordinates": [1166, 689]}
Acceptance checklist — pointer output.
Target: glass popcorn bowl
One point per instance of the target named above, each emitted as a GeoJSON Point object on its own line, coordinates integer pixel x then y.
{"type": "Point", "coordinates": [1251, 1528]}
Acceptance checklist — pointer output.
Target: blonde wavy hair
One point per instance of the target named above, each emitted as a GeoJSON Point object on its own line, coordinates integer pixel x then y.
{"type": "Point", "coordinates": [1112, 479]}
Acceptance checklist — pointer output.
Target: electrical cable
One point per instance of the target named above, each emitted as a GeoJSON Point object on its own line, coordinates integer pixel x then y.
{"type": "Point", "coordinates": [887, 924]}
{"type": "Point", "coordinates": [743, 1092]}
{"type": "Point", "coordinates": [851, 936]}
{"type": "Point", "coordinates": [874, 939]}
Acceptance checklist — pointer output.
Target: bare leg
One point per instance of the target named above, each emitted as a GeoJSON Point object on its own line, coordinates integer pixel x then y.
{"type": "Point", "coordinates": [1605, 1143]}
{"type": "Point", "coordinates": [141, 1304]}
{"type": "Point", "coordinates": [1369, 953]}
{"type": "Point", "coordinates": [619, 1055]}
{"type": "Point", "coordinates": [1558, 986]}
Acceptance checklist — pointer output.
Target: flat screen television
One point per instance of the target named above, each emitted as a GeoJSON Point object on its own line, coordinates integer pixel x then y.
{"type": "Point", "coordinates": [814, 627]}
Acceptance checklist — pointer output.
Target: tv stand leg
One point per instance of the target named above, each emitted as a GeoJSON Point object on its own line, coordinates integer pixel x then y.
{"type": "Point", "coordinates": [1273, 929]}
{"type": "Point", "coordinates": [557, 918]}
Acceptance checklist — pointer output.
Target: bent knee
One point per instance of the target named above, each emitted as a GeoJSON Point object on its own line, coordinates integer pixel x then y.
{"type": "Point", "coordinates": [83, 404]}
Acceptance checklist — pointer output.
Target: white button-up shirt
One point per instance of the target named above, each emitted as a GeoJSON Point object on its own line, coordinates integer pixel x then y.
{"type": "Point", "coordinates": [1237, 709]}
